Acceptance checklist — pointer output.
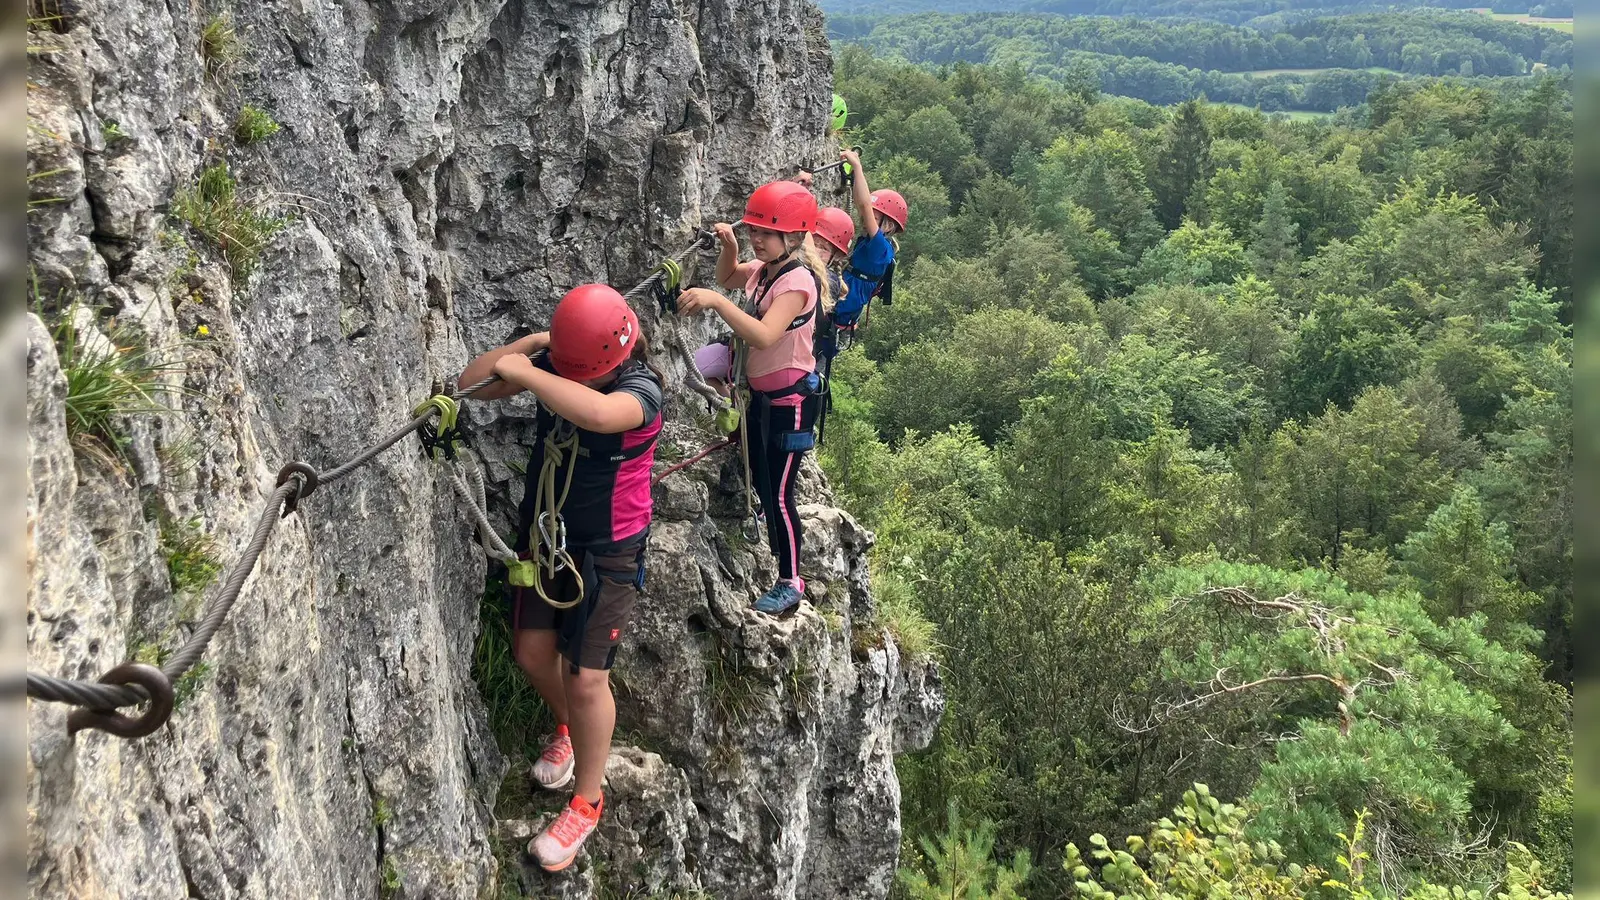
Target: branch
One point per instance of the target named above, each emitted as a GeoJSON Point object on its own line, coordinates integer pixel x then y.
{"type": "Point", "coordinates": [1168, 712]}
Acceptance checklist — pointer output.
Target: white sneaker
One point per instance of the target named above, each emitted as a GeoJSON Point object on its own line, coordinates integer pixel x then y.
{"type": "Point", "coordinates": [557, 846]}
{"type": "Point", "coordinates": [553, 770]}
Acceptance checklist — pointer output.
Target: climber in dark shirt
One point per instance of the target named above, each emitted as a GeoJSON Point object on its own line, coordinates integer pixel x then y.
{"type": "Point", "coordinates": [594, 439]}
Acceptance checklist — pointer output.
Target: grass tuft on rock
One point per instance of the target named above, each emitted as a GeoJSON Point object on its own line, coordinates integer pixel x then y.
{"type": "Point", "coordinates": [213, 208]}
{"type": "Point", "coordinates": [897, 611]}
{"type": "Point", "coordinates": [192, 561]}
{"type": "Point", "coordinates": [219, 47]}
{"type": "Point", "coordinates": [254, 125]}
{"type": "Point", "coordinates": [108, 379]}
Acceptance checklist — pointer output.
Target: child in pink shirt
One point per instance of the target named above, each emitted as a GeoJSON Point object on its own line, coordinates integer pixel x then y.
{"type": "Point", "coordinates": [786, 287]}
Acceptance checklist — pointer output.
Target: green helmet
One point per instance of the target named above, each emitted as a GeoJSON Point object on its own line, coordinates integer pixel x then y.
{"type": "Point", "coordinates": [840, 112]}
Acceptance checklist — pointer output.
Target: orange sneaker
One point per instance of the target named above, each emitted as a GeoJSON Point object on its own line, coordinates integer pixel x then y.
{"type": "Point", "coordinates": [554, 767]}
{"type": "Point", "coordinates": [557, 846]}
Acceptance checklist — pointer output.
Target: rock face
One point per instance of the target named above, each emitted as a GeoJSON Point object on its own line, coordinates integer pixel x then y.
{"type": "Point", "coordinates": [445, 169]}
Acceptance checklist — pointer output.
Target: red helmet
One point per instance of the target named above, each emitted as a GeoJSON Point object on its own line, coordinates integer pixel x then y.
{"type": "Point", "coordinates": [835, 226]}
{"type": "Point", "coordinates": [592, 332]}
{"type": "Point", "coordinates": [781, 206]}
{"type": "Point", "coordinates": [891, 204]}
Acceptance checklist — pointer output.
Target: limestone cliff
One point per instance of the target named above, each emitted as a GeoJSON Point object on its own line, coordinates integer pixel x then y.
{"type": "Point", "coordinates": [444, 169]}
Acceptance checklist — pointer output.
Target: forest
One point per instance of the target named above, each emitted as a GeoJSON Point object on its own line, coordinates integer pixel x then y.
{"type": "Point", "coordinates": [1223, 462]}
{"type": "Point", "coordinates": [1311, 63]}
{"type": "Point", "coordinates": [1232, 12]}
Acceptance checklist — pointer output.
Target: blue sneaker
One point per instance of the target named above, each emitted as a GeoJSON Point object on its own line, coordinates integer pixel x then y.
{"type": "Point", "coordinates": [783, 598]}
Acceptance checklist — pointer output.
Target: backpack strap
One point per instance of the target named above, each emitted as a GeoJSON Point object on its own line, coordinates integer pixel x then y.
{"type": "Point", "coordinates": [764, 285]}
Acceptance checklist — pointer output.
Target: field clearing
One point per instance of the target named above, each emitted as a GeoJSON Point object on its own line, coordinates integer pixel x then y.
{"type": "Point", "coordinates": [1525, 19]}
{"type": "Point", "coordinates": [1265, 72]}
{"type": "Point", "coordinates": [1295, 115]}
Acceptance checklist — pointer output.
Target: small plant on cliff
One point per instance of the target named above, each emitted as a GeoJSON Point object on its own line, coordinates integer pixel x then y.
{"type": "Point", "coordinates": [254, 125]}
{"type": "Point", "coordinates": [733, 691]}
{"type": "Point", "coordinates": [189, 684]}
{"type": "Point", "coordinates": [212, 206]}
{"type": "Point", "coordinates": [191, 556]}
{"type": "Point", "coordinates": [157, 652]}
{"type": "Point", "coordinates": [381, 813]}
{"type": "Point", "coordinates": [517, 716]}
{"type": "Point", "coordinates": [897, 611]}
{"type": "Point", "coordinates": [390, 883]}
{"type": "Point", "coordinates": [219, 46]}
{"type": "Point", "coordinates": [107, 378]}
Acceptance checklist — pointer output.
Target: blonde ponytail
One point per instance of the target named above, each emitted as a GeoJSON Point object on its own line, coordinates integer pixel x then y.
{"type": "Point", "coordinates": [813, 261]}
{"type": "Point", "coordinates": [808, 255]}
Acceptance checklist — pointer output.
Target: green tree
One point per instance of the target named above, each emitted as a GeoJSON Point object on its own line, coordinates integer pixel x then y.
{"type": "Point", "coordinates": [1061, 453]}
{"type": "Point", "coordinates": [1478, 374]}
{"type": "Point", "coordinates": [1035, 657]}
{"type": "Point", "coordinates": [1343, 346]}
{"type": "Point", "coordinates": [1182, 164]}
{"type": "Point", "coordinates": [1166, 491]}
{"type": "Point", "coordinates": [1526, 482]}
{"type": "Point", "coordinates": [1429, 256]}
{"type": "Point", "coordinates": [931, 134]}
{"type": "Point", "coordinates": [959, 865]}
{"type": "Point", "coordinates": [1389, 711]}
{"type": "Point", "coordinates": [1355, 478]}
{"type": "Point", "coordinates": [1275, 241]}
{"type": "Point", "coordinates": [1194, 254]}
{"type": "Point", "coordinates": [980, 372]}
{"type": "Point", "coordinates": [932, 297]}
{"type": "Point", "coordinates": [1039, 275]}
{"type": "Point", "coordinates": [1462, 565]}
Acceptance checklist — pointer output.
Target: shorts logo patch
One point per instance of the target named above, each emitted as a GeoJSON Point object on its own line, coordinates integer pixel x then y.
{"type": "Point", "coordinates": [616, 633]}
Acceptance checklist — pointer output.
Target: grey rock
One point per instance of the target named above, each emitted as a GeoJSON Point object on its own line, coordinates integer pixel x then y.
{"type": "Point", "coordinates": [448, 168]}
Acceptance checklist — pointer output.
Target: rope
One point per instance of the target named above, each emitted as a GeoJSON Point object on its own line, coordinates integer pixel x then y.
{"type": "Point", "coordinates": [296, 481]}
{"type": "Point", "coordinates": [690, 461]}
{"type": "Point", "coordinates": [551, 548]}
{"type": "Point", "coordinates": [476, 499]}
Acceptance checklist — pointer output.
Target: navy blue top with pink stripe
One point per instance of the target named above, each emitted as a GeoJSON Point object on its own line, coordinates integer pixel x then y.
{"type": "Point", "coordinates": [610, 497]}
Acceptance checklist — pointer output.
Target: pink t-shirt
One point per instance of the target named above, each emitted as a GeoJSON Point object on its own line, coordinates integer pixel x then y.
{"type": "Point", "coordinates": [787, 361]}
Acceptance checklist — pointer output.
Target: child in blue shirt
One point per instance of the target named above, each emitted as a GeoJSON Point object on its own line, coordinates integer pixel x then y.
{"type": "Point", "coordinates": [870, 272]}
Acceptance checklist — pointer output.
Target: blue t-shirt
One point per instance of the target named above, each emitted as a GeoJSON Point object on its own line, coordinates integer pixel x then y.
{"type": "Point", "coordinates": [870, 257]}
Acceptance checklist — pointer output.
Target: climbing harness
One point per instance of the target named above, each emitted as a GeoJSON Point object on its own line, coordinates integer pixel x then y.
{"type": "Point", "coordinates": [133, 684]}
{"type": "Point", "coordinates": [559, 583]}
{"type": "Point", "coordinates": [743, 396]}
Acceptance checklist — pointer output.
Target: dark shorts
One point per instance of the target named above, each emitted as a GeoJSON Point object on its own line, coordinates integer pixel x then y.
{"type": "Point", "coordinates": [588, 634]}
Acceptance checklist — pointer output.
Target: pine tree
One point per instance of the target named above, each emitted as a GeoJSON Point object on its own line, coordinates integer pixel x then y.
{"type": "Point", "coordinates": [1356, 702]}
{"type": "Point", "coordinates": [1275, 240]}
{"type": "Point", "coordinates": [1462, 564]}
{"type": "Point", "coordinates": [963, 865]}
{"type": "Point", "coordinates": [1184, 163]}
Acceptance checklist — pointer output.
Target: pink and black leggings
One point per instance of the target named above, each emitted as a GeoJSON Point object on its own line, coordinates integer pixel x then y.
{"type": "Point", "coordinates": [780, 435]}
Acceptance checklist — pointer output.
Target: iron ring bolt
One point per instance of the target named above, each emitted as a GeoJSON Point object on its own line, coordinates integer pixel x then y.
{"type": "Point", "coordinates": [155, 683]}
{"type": "Point", "coordinates": [309, 481]}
